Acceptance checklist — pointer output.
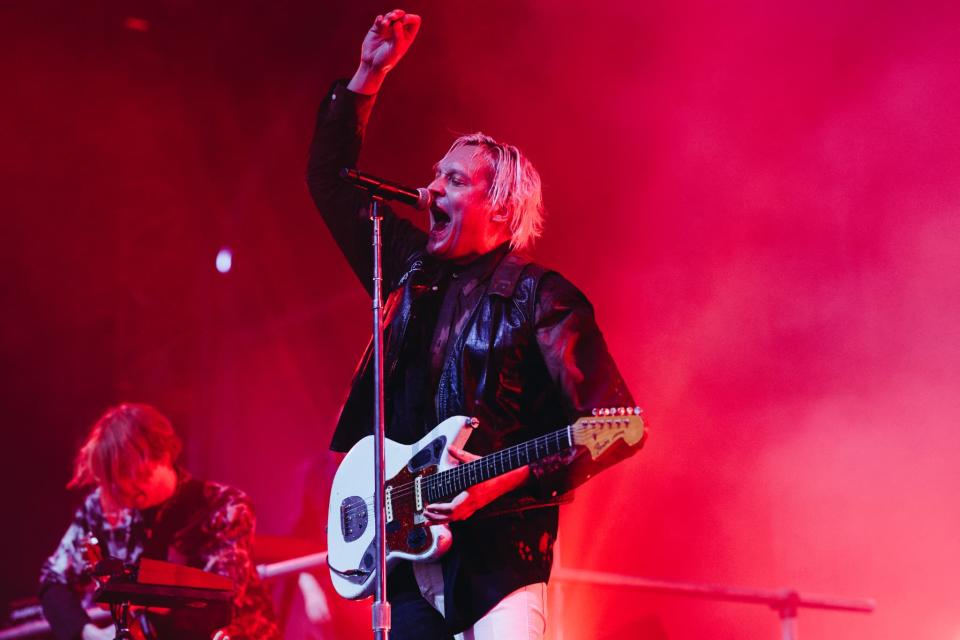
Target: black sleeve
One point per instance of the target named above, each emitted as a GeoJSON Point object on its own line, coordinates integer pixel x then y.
{"type": "Point", "coordinates": [62, 578]}
{"type": "Point", "coordinates": [581, 366]}
{"type": "Point", "coordinates": [340, 127]}
{"type": "Point", "coordinates": [63, 611]}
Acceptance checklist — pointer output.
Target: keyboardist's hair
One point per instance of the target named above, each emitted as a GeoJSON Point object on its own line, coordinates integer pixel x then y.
{"type": "Point", "coordinates": [120, 443]}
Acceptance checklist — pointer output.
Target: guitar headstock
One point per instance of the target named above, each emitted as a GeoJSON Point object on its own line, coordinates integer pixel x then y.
{"type": "Point", "coordinates": [598, 432]}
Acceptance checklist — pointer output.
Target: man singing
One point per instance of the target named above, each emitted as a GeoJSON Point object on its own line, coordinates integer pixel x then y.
{"type": "Point", "coordinates": [472, 327]}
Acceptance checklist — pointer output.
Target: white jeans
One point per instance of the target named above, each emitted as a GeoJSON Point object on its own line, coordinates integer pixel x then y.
{"type": "Point", "coordinates": [521, 615]}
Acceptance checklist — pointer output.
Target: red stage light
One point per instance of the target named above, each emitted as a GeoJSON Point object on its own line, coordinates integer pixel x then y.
{"type": "Point", "coordinates": [136, 24]}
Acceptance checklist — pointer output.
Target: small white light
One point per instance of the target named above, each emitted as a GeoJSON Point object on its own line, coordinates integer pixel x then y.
{"type": "Point", "coordinates": [224, 260]}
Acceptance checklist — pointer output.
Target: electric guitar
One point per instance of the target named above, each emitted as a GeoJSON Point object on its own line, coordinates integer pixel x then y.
{"type": "Point", "coordinates": [424, 473]}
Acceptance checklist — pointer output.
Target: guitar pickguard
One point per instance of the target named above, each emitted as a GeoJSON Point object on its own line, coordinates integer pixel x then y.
{"type": "Point", "coordinates": [428, 456]}
{"type": "Point", "coordinates": [408, 532]}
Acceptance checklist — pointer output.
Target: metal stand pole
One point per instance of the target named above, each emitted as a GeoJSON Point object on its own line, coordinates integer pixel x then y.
{"type": "Point", "coordinates": [788, 624]}
{"type": "Point", "coordinates": [785, 602]}
{"type": "Point", "coordinates": [120, 621]}
{"type": "Point", "coordinates": [381, 607]}
{"type": "Point", "coordinates": [788, 616]}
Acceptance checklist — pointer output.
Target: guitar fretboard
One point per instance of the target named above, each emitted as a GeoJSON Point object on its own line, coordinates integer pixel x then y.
{"type": "Point", "coordinates": [449, 483]}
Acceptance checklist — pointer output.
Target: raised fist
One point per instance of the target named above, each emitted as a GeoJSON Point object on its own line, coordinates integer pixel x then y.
{"type": "Point", "coordinates": [388, 40]}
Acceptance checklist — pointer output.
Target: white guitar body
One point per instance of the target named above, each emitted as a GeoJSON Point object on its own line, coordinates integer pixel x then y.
{"type": "Point", "coordinates": [351, 526]}
{"type": "Point", "coordinates": [425, 473]}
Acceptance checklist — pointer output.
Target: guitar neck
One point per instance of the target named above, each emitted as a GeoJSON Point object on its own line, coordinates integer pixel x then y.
{"type": "Point", "coordinates": [449, 483]}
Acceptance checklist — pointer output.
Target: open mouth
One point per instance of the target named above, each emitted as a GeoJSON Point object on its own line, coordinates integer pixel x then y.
{"type": "Point", "coordinates": [439, 217]}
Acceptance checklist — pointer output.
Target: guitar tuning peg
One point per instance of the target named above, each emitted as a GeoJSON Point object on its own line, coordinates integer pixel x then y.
{"type": "Point", "coordinates": [621, 411]}
{"type": "Point", "coordinates": [595, 412]}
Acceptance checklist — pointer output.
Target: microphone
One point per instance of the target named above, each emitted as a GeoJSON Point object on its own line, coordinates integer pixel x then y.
{"type": "Point", "coordinates": [419, 199]}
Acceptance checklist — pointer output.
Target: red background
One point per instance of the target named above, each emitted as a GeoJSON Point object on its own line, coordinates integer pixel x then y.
{"type": "Point", "coordinates": [760, 199]}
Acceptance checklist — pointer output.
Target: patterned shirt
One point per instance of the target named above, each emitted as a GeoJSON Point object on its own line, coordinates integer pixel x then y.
{"type": "Point", "coordinates": [204, 525]}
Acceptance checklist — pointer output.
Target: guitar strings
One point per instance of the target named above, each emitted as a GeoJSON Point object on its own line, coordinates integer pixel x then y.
{"type": "Point", "coordinates": [460, 471]}
{"type": "Point", "coordinates": [433, 480]}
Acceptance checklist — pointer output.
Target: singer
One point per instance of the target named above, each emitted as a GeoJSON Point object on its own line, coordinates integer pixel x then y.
{"type": "Point", "coordinates": [473, 327]}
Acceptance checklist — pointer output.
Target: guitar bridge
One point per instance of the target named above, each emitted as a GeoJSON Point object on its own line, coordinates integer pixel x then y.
{"type": "Point", "coordinates": [354, 517]}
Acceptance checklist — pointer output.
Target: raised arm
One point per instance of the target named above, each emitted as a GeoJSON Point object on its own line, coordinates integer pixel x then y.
{"type": "Point", "coordinates": [383, 47]}
{"type": "Point", "coordinates": [341, 123]}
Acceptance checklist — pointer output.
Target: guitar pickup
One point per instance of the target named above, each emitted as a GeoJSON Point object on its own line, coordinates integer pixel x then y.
{"type": "Point", "coordinates": [418, 493]}
{"type": "Point", "coordinates": [388, 502]}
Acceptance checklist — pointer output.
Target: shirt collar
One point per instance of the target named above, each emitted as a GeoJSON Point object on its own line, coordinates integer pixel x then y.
{"type": "Point", "coordinates": [479, 270]}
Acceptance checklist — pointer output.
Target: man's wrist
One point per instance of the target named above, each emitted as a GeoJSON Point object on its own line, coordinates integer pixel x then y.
{"type": "Point", "coordinates": [511, 480]}
{"type": "Point", "coordinates": [366, 80]}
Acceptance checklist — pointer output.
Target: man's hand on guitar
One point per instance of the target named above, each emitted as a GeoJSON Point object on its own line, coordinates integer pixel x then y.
{"type": "Point", "coordinates": [466, 503]}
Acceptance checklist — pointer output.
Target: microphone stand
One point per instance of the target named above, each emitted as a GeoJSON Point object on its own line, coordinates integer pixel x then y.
{"type": "Point", "coordinates": [120, 617]}
{"type": "Point", "coordinates": [380, 608]}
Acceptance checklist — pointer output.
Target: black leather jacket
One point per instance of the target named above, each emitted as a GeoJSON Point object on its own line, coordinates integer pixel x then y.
{"type": "Point", "coordinates": [529, 360]}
